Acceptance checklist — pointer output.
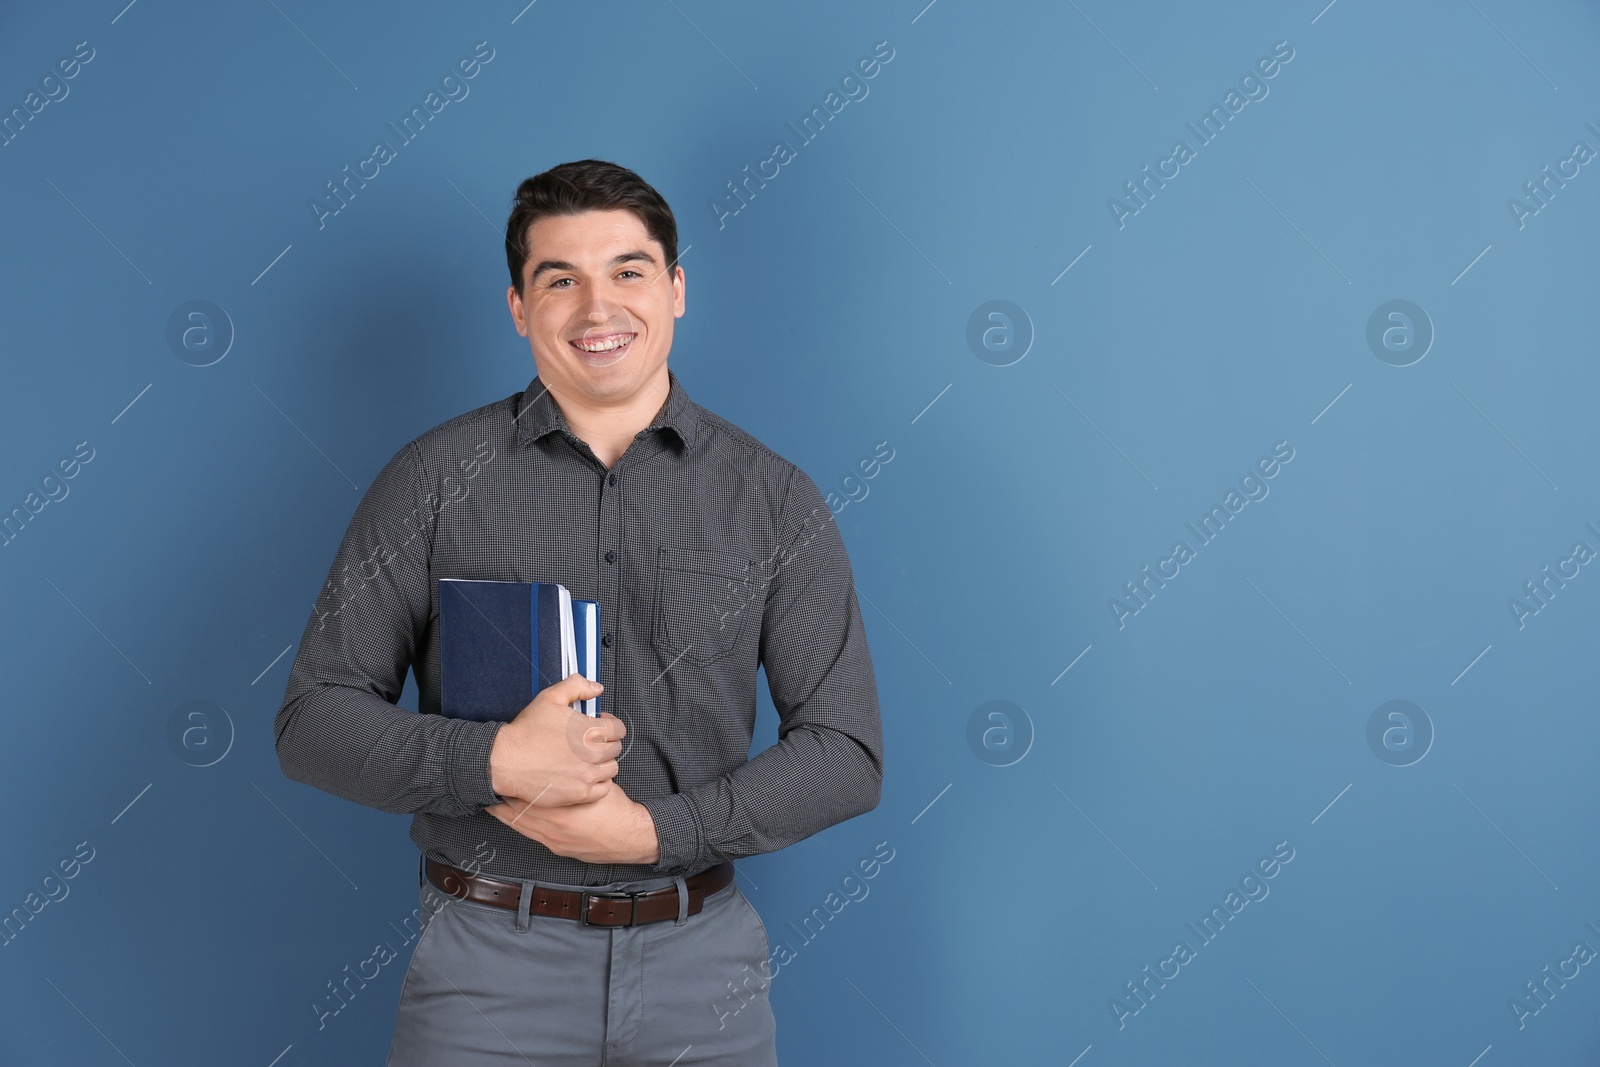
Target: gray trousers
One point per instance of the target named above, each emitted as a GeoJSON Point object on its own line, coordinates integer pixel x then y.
{"type": "Point", "coordinates": [487, 986]}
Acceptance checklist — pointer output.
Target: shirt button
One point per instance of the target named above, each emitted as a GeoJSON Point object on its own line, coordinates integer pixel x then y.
{"type": "Point", "coordinates": [606, 640]}
{"type": "Point", "coordinates": [612, 479]}
{"type": "Point", "coordinates": [611, 557]}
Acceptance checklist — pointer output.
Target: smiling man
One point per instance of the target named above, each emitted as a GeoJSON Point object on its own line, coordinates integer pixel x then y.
{"type": "Point", "coordinates": [579, 903]}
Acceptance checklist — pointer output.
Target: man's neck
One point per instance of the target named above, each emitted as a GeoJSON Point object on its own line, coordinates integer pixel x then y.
{"type": "Point", "coordinates": [608, 431]}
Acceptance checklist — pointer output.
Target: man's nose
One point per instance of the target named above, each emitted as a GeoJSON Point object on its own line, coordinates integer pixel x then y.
{"type": "Point", "coordinates": [603, 311]}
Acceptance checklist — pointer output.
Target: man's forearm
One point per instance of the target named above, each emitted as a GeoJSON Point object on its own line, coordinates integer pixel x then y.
{"type": "Point", "coordinates": [828, 763]}
{"type": "Point", "coordinates": [358, 746]}
{"type": "Point", "coordinates": [613, 829]}
{"type": "Point", "coordinates": [812, 779]}
{"type": "Point", "coordinates": [338, 728]}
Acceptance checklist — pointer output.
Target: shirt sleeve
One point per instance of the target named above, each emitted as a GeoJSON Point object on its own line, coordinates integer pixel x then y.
{"type": "Point", "coordinates": [338, 727]}
{"type": "Point", "coordinates": [827, 765]}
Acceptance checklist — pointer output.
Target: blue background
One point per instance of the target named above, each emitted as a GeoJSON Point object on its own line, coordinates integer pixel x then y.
{"type": "Point", "coordinates": [1041, 859]}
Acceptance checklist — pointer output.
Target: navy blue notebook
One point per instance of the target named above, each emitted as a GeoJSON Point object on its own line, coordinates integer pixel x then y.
{"type": "Point", "coordinates": [500, 643]}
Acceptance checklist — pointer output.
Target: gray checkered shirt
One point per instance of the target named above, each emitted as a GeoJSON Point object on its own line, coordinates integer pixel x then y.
{"type": "Point", "coordinates": [709, 553]}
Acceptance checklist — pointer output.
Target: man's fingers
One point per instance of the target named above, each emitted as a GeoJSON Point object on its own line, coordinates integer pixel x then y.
{"type": "Point", "coordinates": [598, 740]}
{"type": "Point", "coordinates": [572, 688]}
{"type": "Point", "coordinates": [600, 733]}
{"type": "Point", "coordinates": [600, 751]}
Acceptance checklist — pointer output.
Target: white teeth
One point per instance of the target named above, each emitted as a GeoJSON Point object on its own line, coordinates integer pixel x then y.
{"type": "Point", "coordinates": [604, 346]}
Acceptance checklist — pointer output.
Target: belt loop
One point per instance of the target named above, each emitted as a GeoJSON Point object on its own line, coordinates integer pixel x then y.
{"type": "Point", "coordinates": [523, 905]}
{"type": "Point", "coordinates": [683, 899]}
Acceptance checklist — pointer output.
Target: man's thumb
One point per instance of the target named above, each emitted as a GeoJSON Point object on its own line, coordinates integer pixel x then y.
{"type": "Point", "coordinates": [572, 687]}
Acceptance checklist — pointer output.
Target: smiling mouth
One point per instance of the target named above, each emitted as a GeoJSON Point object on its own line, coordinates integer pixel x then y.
{"type": "Point", "coordinates": [603, 344]}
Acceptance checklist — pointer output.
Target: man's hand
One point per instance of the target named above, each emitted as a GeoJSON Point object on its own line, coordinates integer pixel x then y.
{"type": "Point", "coordinates": [612, 829]}
{"type": "Point", "coordinates": [553, 755]}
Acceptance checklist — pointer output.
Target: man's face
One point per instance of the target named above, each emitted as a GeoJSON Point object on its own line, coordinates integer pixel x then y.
{"type": "Point", "coordinates": [597, 307]}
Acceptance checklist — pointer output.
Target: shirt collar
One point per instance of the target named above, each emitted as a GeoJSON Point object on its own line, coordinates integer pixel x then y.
{"type": "Point", "coordinates": [542, 415]}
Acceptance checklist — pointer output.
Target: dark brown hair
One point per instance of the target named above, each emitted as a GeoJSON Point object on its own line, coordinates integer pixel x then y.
{"type": "Point", "coordinates": [586, 185]}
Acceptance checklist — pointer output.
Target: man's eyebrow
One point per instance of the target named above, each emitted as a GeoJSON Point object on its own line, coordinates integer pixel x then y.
{"type": "Point", "coordinates": [550, 264]}
{"type": "Point", "coordinates": [637, 255]}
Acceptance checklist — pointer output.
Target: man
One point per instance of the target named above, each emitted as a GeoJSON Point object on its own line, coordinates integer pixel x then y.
{"type": "Point", "coordinates": [578, 901]}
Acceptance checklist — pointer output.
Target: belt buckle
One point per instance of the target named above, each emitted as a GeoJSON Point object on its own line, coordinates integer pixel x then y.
{"type": "Point", "coordinates": [583, 907]}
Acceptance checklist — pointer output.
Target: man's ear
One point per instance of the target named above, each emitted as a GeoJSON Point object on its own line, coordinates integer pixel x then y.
{"type": "Point", "coordinates": [514, 302]}
{"type": "Point", "coordinates": [677, 292]}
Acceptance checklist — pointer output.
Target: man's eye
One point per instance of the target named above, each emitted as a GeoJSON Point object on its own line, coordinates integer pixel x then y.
{"type": "Point", "coordinates": [557, 283]}
{"type": "Point", "coordinates": [635, 273]}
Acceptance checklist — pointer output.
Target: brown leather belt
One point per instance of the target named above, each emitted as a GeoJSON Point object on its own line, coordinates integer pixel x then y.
{"type": "Point", "coordinates": [592, 909]}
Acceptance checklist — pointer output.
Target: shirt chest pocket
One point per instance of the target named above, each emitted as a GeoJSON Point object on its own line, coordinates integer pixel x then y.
{"type": "Point", "coordinates": [703, 601]}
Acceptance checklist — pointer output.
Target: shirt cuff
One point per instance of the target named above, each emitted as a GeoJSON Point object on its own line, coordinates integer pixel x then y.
{"type": "Point", "coordinates": [677, 832]}
{"type": "Point", "coordinates": [469, 764]}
